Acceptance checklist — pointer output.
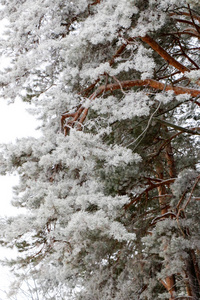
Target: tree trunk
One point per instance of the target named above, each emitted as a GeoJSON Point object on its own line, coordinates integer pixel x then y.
{"type": "Point", "coordinates": [192, 269]}
{"type": "Point", "coordinates": [193, 274]}
{"type": "Point", "coordinates": [170, 283]}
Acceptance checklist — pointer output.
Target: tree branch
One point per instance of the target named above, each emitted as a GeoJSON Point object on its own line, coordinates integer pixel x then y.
{"type": "Point", "coordinates": [77, 116]}
{"type": "Point", "coordinates": [193, 22]}
{"type": "Point", "coordinates": [178, 90]}
{"type": "Point", "coordinates": [182, 129]}
{"type": "Point", "coordinates": [185, 14]}
{"type": "Point", "coordinates": [169, 59]}
{"type": "Point", "coordinates": [149, 188]}
{"type": "Point", "coordinates": [111, 62]}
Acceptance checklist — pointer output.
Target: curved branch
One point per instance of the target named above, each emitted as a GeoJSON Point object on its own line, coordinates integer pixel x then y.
{"type": "Point", "coordinates": [149, 188]}
{"type": "Point", "coordinates": [81, 113]}
{"type": "Point", "coordinates": [171, 61]}
{"type": "Point", "coordinates": [163, 216]}
{"type": "Point", "coordinates": [178, 90]}
{"type": "Point", "coordinates": [111, 62]}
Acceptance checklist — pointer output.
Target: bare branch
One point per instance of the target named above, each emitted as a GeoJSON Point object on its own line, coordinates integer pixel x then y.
{"type": "Point", "coordinates": [149, 188]}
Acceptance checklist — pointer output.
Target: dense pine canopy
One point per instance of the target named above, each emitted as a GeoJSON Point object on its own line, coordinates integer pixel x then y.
{"type": "Point", "coordinates": [111, 188]}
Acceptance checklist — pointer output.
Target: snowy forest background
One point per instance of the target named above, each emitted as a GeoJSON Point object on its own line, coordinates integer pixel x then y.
{"type": "Point", "coordinates": [110, 189]}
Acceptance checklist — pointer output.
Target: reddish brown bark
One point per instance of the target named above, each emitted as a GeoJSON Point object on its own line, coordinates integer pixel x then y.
{"type": "Point", "coordinates": [111, 62]}
{"type": "Point", "coordinates": [169, 282]}
{"type": "Point", "coordinates": [147, 82]}
{"type": "Point", "coordinates": [168, 58]}
{"type": "Point", "coordinates": [81, 113]}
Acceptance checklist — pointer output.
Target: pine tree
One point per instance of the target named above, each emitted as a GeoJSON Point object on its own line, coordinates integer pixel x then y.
{"type": "Point", "coordinates": [111, 188]}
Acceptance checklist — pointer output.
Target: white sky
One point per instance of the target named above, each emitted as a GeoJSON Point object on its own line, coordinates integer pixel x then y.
{"type": "Point", "coordinates": [15, 122]}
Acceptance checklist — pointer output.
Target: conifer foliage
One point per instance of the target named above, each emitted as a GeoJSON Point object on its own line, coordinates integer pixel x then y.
{"type": "Point", "coordinates": [111, 188]}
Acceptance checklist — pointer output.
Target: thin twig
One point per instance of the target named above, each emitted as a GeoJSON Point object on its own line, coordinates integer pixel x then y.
{"type": "Point", "coordinates": [190, 197]}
